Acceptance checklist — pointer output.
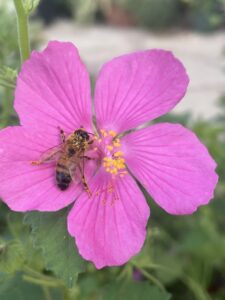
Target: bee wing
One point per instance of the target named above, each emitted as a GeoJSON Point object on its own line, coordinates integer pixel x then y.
{"type": "Point", "coordinates": [74, 171]}
{"type": "Point", "coordinates": [50, 154]}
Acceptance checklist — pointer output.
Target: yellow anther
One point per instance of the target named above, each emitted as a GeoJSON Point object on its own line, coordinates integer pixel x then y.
{"type": "Point", "coordinates": [120, 166]}
{"type": "Point", "coordinates": [112, 133]}
{"type": "Point", "coordinates": [107, 159]}
{"type": "Point", "coordinates": [99, 140]}
{"type": "Point", "coordinates": [109, 147]}
{"type": "Point", "coordinates": [103, 132]}
{"type": "Point", "coordinates": [114, 171]}
{"type": "Point", "coordinates": [106, 164]}
{"type": "Point", "coordinates": [95, 149]}
{"type": "Point", "coordinates": [118, 153]}
{"type": "Point", "coordinates": [113, 163]}
{"type": "Point", "coordinates": [117, 145]}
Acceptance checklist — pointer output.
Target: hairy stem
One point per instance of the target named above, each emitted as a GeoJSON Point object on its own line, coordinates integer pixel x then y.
{"type": "Point", "coordinates": [23, 33]}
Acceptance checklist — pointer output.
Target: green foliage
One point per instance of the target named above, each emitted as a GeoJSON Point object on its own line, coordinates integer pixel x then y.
{"type": "Point", "coordinates": [205, 14]}
{"type": "Point", "coordinates": [49, 231]}
{"type": "Point", "coordinates": [19, 289]}
{"type": "Point", "coordinates": [153, 13]}
{"type": "Point", "coordinates": [9, 54]}
{"type": "Point", "coordinates": [133, 291]}
{"type": "Point", "coordinates": [84, 11]}
{"type": "Point", "coordinates": [12, 256]}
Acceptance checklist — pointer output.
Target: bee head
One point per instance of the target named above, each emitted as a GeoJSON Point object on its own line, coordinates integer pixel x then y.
{"type": "Point", "coordinates": [82, 135]}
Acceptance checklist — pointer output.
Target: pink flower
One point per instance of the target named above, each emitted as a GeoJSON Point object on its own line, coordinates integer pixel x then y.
{"type": "Point", "coordinates": [53, 90]}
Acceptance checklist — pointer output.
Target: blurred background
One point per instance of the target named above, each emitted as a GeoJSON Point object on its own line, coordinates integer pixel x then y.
{"type": "Point", "coordinates": [184, 255]}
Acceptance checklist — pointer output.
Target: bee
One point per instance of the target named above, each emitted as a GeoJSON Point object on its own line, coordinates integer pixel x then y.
{"type": "Point", "coordinates": [69, 156]}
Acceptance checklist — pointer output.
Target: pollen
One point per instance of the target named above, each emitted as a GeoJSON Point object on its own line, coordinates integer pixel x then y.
{"type": "Point", "coordinates": [116, 143]}
{"type": "Point", "coordinates": [109, 147]}
{"type": "Point", "coordinates": [118, 154]}
{"type": "Point", "coordinates": [112, 133]}
{"type": "Point", "coordinates": [113, 160]}
{"type": "Point", "coordinates": [104, 132]}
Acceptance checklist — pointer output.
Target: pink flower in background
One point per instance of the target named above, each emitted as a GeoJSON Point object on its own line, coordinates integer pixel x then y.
{"type": "Point", "coordinates": [53, 90]}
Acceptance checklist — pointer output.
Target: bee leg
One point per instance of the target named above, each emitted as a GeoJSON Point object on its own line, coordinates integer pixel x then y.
{"type": "Point", "coordinates": [91, 142]}
{"type": "Point", "coordinates": [62, 134]}
{"type": "Point", "coordinates": [46, 157]}
{"type": "Point", "coordinates": [43, 160]}
{"type": "Point", "coordinates": [86, 186]}
{"type": "Point", "coordinates": [87, 157]}
{"type": "Point", "coordinates": [84, 182]}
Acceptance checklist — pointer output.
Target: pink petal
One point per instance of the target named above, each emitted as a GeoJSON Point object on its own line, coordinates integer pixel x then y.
{"type": "Point", "coordinates": [25, 187]}
{"type": "Point", "coordinates": [173, 165]}
{"type": "Point", "coordinates": [138, 87]}
{"type": "Point", "coordinates": [109, 232]}
{"type": "Point", "coordinates": [53, 89]}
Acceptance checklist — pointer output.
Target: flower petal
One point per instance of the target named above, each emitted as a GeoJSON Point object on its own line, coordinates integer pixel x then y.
{"type": "Point", "coordinates": [26, 187]}
{"type": "Point", "coordinates": [173, 165]}
{"type": "Point", "coordinates": [109, 231]}
{"type": "Point", "coordinates": [138, 87]}
{"type": "Point", "coordinates": [53, 89]}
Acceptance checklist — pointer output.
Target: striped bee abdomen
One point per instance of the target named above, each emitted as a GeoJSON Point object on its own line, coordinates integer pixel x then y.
{"type": "Point", "coordinates": [63, 177]}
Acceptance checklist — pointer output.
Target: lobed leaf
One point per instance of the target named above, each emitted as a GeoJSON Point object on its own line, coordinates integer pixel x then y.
{"type": "Point", "coordinates": [49, 232]}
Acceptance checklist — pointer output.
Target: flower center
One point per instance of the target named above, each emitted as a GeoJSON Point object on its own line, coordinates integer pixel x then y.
{"type": "Point", "coordinates": [113, 160]}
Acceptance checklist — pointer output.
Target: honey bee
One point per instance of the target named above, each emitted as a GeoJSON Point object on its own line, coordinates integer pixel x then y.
{"type": "Point", "coordinates": [69, 156]}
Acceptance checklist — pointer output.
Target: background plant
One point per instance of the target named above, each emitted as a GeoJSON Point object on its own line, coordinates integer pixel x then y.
{"type": "Point", "coordinates": [202, 15]}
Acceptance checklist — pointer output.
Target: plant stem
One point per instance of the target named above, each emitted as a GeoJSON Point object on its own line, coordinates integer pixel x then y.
{"type": "Point", "coordinates": [40, 281]}
{"type": "Point", "coordinates": [198, 291]}
{"type": "Point", "coordinates": [22, 27]}
{"type": "Point", "coordinates": [45, 282]}
{"type": "Point", "coordinates": [47, 293]}
{"type": "Point", "coordinates": [149, 276]}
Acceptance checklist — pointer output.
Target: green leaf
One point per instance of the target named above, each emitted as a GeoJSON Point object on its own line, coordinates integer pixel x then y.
{"type": "Point", "coordinates": [49, 231]}
{"type": "Point", "coordinates": [12, 256]}
{"type": "Point", "coordinates": [8, 77]}
{"type": "Point", "coordinates": [133, 291]}
{"type": "Point", "coordinates": [16, 288]}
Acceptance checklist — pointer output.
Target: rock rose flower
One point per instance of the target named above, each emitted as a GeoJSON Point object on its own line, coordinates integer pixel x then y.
{"type": "Point", "coordinates": [53, 90]}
